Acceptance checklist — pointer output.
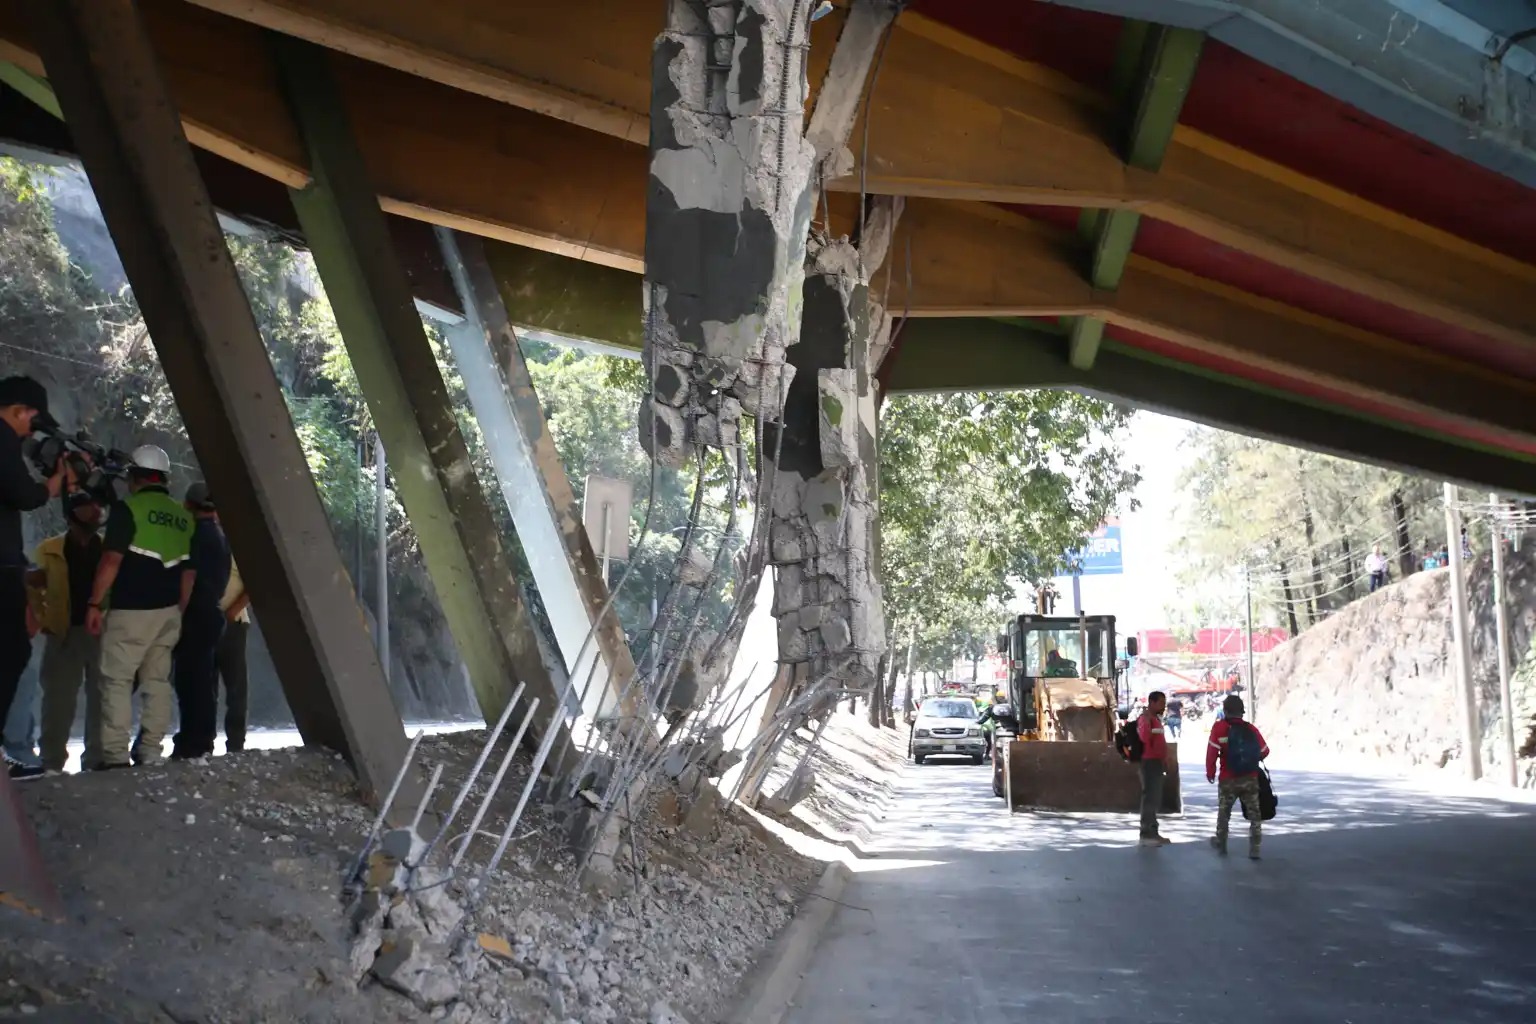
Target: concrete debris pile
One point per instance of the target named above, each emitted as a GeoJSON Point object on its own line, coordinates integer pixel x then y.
{"type": "Point", "coordinates": [404, 923]}
{"type": "Point", "coordinates": [239, 915]}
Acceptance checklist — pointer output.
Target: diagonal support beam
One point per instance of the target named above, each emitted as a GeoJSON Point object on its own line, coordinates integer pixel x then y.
{"type": "Point", "coordinates": [460, 538]}
{"type": "Point", "coordinates": [1153, 70]}
{"type": "Point", "coordinates": [126, 127]}
{"type": "Point", "coordinates": [534, 484]}
{"type": "Point", "coordinates": [837, 104]}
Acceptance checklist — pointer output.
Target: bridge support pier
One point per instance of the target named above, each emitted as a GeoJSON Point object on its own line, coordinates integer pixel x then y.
{"type": "Point", "coordinates": [459, 535]}
{"type": "Point", "coordinates": [127, 130]}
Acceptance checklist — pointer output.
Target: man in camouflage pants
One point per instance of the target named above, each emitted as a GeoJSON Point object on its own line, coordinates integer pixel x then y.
{"type": "Point", "coordinates": [1239, 746]}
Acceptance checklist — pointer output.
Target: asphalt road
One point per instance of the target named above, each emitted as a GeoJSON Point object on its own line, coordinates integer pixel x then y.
{"type": "Point", "coordinates": [1376, 901]}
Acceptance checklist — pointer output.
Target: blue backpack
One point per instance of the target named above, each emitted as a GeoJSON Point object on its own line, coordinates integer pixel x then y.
{"type": "Point", "coordinates": [1243, 750]}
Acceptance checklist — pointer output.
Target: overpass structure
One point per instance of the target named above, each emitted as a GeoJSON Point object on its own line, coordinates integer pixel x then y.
{"type": "Point", "coordinates": [1315, 223]}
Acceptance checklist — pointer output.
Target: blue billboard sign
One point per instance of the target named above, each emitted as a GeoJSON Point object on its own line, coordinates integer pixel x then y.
{"type": "Point", "coordinates": [1101, 556]}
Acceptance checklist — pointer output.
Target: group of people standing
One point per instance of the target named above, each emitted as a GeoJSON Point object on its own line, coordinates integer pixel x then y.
{"type": "Point", "coordinates": [153, 606]}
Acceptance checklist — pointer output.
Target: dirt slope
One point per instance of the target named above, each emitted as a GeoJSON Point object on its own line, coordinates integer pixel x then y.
{"type": "Point", "coordinates": [1377, 679]}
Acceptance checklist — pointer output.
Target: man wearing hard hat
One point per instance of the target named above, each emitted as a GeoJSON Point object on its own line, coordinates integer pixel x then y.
{"type": "Point", "coordinates": [146, 571]}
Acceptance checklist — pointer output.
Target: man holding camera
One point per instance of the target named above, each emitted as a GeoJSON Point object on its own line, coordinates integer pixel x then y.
{"type": "Point", "coordinates": [23, 408]}
{"type": "Point", "coordinates": [146, 570]}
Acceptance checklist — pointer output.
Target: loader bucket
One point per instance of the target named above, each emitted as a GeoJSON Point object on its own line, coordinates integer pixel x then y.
{"type": "Point", "coordinates": [1077, 776]}
{"type": "Point", "coordinates": [24, 884]}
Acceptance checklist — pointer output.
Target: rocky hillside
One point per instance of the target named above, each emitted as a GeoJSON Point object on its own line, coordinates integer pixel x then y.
{"type": "Point", "coordinates": [1378, 679]}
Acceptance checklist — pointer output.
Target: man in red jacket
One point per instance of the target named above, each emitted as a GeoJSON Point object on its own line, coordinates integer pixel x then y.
{"type": "Point", "coordinates": [1239, 746]}
{"type": "Point", "coordinates": [1154, 757]}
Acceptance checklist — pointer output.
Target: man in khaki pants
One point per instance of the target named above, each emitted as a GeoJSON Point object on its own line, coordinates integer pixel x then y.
{"type": "Point", "coordinates": [146, 570]}
{"type": "Point", "coordinates": [61, 591]}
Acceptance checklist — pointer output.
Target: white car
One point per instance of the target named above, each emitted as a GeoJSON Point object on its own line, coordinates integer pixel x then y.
{"type": "Point", "coordinates": [946, 726]}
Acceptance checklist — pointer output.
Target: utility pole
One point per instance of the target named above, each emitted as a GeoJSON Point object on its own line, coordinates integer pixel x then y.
{"type": "Point", "coordinates": [1470, 726]}
{"type": "Point", "coordinates": [1253, 685]}
{"type": "Point", "coordinates": [381, 528]}
{"type": "Point", "coordinates": [1501, 617]}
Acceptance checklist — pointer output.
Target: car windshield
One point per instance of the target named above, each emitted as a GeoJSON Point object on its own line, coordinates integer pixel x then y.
{"type": "Point", "coordinates": [949, 709]}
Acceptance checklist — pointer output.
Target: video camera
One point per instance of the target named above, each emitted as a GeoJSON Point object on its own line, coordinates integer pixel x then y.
{"type": "Point", "coordinates": [95, 467]}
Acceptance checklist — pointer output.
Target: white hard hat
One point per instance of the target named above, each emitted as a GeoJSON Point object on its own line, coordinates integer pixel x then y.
{"type": "Point", "coordinates": [152, 457]}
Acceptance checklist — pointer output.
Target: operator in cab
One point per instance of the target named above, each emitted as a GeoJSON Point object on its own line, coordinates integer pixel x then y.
{"type": "Point", "coordinates": [1057, 667]}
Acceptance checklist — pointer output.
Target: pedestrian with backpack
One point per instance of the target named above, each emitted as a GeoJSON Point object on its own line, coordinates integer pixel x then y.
{"type": "Point", "coordinates": [1154, 756]}
{"type": "Point", "coordinates": [1239, 747]}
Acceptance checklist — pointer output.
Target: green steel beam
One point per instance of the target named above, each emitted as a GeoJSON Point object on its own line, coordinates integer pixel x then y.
{"type": "Point", "coordinates": [33, 87]}
{"type": "Point", "coordinates": [1115, 234]}
{"type": "Point", "coordinates": [940, 355]}
{"type": "Point", "coordinates": [1169, 57]}
{"type": "Point", "coordinates": [1083, 342]}
{"type": "Point", "coordinates": [397, 370]}
{"type": "Point", "coordinates": [568, 296]}
{"type": "Point", "coordinates": [1154, 66]}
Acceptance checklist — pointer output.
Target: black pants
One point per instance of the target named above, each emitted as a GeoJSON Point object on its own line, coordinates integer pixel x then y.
{"type": "Point", "coordinates": [195, 676]}
{"type": "Point", "coordinates": [231, 663]}
{"type": "Point", "coordinates": [15, 642]}
{"type": "Point", "coordinates": [1378, 579]}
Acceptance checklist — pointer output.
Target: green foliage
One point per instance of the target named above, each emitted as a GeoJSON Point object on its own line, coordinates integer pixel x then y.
{"type": "Point", "coordinates": [980, 492]}
{"type": "Point", "coordinates": [590, 402]}
{"type": "Point", "coordinates": [1298, 523]}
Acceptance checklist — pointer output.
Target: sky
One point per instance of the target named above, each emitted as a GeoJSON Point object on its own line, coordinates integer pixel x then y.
{"type": "Point", "coordinates": [1149, 534]}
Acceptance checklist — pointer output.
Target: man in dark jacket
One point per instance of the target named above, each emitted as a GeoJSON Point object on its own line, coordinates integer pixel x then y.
{"type": "Point", "coordinates": [23, 408]}
{"type": "Point", "coordinates": [202, 626]}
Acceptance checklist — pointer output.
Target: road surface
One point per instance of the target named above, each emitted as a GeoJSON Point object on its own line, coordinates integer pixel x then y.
{"type": "Point", "coordinates": [1377, 902]}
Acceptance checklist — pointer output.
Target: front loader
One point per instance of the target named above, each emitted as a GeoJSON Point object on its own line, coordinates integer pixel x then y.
{"type": "Point", "coordinates": [1054, 748]}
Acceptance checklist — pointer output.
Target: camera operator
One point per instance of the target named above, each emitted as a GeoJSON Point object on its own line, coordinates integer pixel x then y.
{"type": "Point", "coordinates": [24, 408]}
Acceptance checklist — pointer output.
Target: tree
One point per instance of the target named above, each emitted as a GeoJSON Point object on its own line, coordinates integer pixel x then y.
{"type": "Point", "coordinates": [1297, 523]}
{"type": "Point", "coordinates": [980, 492]}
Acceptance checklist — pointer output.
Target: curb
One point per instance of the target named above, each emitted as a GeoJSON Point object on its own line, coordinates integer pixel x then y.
{"type": "Point", "coordinates": [775, 979]}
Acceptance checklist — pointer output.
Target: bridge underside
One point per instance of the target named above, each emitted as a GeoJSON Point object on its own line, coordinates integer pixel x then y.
{"type": "Point", "coordinates": [1173, 212]}
{"type": "Point", "coordinates": [1156, 214]}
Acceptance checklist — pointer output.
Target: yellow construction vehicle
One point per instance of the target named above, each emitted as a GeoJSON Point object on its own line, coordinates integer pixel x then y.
{"type": "Point", "coordinates": [1054, 746]}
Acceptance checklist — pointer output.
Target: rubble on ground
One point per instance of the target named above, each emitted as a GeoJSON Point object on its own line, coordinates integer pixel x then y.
{"type": "Point", "coordinates": [213, 893]}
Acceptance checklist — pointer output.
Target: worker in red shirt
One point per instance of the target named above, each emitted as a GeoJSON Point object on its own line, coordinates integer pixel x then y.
{"type": "Point", "coordinates": [1239, 746]}
{"type": "Point", "coordinates": [1154, 756]}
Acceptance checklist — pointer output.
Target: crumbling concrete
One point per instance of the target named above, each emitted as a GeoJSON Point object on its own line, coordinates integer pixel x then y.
{"type": "Point", "coordinates": [727, 214]}
{"type": "Point", "coordinates": [824, 516]}
{"type": "Point", "coordinates": [404, 922]}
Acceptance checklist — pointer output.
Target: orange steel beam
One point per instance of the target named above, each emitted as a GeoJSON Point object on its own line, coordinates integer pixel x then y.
{"type": "Point", "coordinates": [953, 117]}
{"type": "Point", "coordinates": [447, 157]}
{"type": "Point", "coordinates": [970, 260]}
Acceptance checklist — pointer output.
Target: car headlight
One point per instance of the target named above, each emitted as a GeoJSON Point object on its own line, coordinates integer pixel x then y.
{"type": "Point", "coordinates": [973, 732]}
{"type": "Point", "coordinates": [922, 732]}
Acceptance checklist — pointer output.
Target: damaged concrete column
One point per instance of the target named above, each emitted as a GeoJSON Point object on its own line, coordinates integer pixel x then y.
{"type": "Point", "coordinates": [824, 527]}
{"type": "Point", "coordinates": [727, 213]}
{"type": "Point", "coordinates": [827, 594]}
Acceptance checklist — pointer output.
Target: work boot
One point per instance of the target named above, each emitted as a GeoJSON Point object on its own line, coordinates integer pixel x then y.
{"type": "Point", "coordinates": [1219, 845]}
{"type": "Point", "coordinates": [1154, 841]}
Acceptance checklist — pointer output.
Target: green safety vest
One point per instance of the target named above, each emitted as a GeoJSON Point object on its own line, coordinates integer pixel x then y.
{"type": "Point", "coordinates": [162, 527]}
